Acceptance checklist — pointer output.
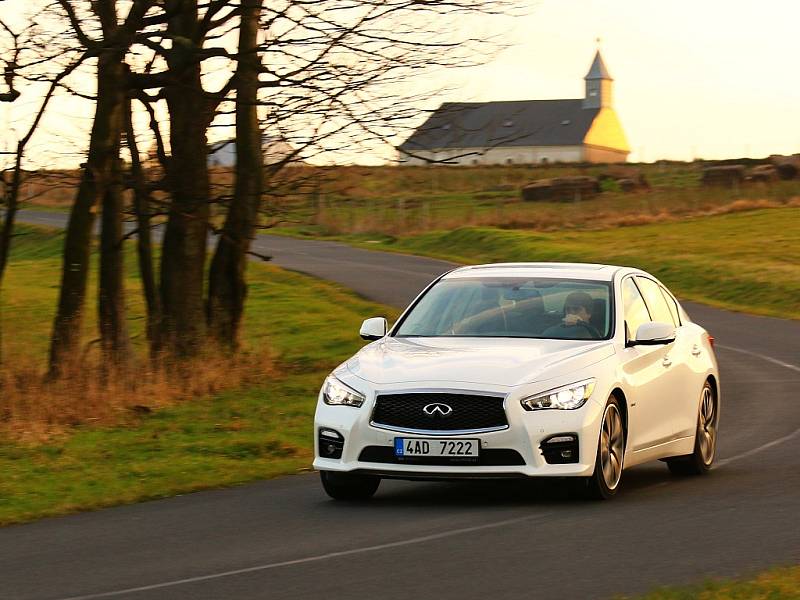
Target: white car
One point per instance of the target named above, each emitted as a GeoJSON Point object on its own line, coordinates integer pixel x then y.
{"type": "Point", "coordinates": [522, 370]}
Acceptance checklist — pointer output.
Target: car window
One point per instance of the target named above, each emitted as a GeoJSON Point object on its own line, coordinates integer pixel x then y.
{"type": "Point", "coordinates": [634, 308]}
{"type": "Point", "coordinates": [673, 306]}
{"type": "Point", "coordinates": [659, 311]}
{"type": "Point", "coordinates": [543, 308]}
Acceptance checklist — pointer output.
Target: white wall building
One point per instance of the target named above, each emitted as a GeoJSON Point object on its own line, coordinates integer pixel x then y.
{"type": "Point", "coordinates": [223, 154]}
{"type": "Point", "coordinates": [524, 131]}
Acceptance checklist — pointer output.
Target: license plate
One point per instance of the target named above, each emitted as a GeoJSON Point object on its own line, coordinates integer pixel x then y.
{"type": "Point", "coordinates": [407, 447]}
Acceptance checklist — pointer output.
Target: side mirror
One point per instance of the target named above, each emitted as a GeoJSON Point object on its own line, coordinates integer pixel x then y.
{"type": "Point", "coordinates": [654, 334]}
{"type": "Point", "coordinates": [374, 328]}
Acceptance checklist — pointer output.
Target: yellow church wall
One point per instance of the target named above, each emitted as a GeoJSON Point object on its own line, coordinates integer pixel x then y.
{"type": "Point", "coordinates": [606, 132]}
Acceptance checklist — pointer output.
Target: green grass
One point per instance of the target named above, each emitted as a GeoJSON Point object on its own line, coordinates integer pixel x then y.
{"type": "Point", "coordinates": [234, 437]}
{"type": "Point", "coordinates": [748, 261]}
{"type": "Point", "coordinates": [776, 584]}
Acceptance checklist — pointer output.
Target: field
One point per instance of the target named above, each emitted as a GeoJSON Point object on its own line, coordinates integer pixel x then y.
{"type": "Point", "coordinates": [317, 201]}
{"type": "Point", "coordinates": [249, 428]}
{"type": "Point", "coordinates": [403, 200]}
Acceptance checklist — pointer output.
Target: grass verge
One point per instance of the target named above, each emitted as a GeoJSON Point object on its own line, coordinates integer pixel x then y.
{"type": "Point", "coordinates": [775, 584]}
{"type": "Point", "coordinates": [748, 261]}
{"type": "Point", "coordinates": [260, 430]}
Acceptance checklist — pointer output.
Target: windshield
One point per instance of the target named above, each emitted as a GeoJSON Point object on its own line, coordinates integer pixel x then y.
{"type": "Point", "coordinates": [512, 307]}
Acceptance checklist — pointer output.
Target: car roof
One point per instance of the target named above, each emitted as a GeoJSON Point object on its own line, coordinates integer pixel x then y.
{"type": "Point", "coordinates": [556, 270]}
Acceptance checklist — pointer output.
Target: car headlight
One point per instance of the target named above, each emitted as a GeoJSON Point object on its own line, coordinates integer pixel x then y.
{"type": "Point", "coordinates": [335, 392]}
{"type": "Point", "coordinates": [568, 397]}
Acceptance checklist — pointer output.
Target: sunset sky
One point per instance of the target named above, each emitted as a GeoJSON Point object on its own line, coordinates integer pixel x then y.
{"type": "Point", "coordinates": [693, 78]}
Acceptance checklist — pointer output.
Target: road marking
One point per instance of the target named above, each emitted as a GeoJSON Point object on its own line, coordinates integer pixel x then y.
{"type": "Point", "coordinates": [774, 361]}
{"type": "Point", "coordinates": [300, 561]}
{"type": "Point", "coordinates": [780, 440]}
{"type": "Point", "coordinates": [761, 448]}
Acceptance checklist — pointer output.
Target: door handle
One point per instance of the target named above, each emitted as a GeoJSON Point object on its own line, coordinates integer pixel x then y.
{"type": "Point", "coordinates": [667, 361]}
{"type": "Point", "coordinates": [696, 351]}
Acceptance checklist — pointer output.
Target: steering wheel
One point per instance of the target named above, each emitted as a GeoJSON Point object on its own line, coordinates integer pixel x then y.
{"type": "Point", "coordinates": [590, 328]}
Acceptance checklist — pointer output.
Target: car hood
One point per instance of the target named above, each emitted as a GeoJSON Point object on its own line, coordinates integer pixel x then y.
{"type": "Point", "coordinates": [488, 361]}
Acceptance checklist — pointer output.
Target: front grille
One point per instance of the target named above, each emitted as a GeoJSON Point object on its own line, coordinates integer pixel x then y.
{"type": "Point", "coordinates": [468, 412]}
{"type": "Point", "coordinates": [489, 457]}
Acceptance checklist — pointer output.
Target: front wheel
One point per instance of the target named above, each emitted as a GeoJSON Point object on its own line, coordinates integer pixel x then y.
{"type": "Point", "coordinates": [705, 442]}
{"type": "Point", "coordinates": [604, 482]}
{"type": "Point", "coordinates": [349, 486]}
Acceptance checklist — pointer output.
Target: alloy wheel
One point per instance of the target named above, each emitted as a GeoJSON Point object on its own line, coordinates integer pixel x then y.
{"type": "Point", "coordinates": [612, 446]}
{"type": "Point", "coordinates": [707, 427]}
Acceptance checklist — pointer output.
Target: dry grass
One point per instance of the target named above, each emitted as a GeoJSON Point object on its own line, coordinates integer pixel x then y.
{"type": "Point", "coordinates": [34, 409]}
{"type": "Point", "coordinates": [591, 215]}
{"type": "Point", "coordinates": [396, 201]}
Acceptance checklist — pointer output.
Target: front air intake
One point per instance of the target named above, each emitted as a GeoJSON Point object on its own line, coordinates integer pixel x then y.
{"type": "Point", "coordinates": [330, 443]}
{"type": "Point", "coordinates": [560, 449]}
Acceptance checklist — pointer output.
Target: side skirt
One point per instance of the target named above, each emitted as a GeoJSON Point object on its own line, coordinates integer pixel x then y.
{"type": "Point", "coordinates": [679, 447]}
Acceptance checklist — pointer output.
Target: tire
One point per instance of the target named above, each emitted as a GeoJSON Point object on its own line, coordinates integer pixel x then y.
{"type": "Point", "coordinates": [699, 462]}
{"type": "Point", "coordinates": [349, 486]}
{"type": "Point", "coordinates": [609, 462]}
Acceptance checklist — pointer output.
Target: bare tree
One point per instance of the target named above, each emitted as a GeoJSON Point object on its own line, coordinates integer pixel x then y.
{"type": "Point", "coordinates": [98, 182]}
{"type": "Point", "coordinates": [227, 286]}
{"type": "Point", "coordinates": [326, 76]}
{"type": "Point", "coordinates": [11, 64]}
{"type": "Point", "coordinates": [142, 207]}
{"type": "Point", "coordinates": [12, 178]}
{"type": "Point", "coordinates": [332, 76]}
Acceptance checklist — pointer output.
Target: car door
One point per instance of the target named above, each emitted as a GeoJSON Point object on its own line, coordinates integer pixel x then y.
{"type": "Point", "coordinates": [650, 421]}
{"type": "Point", "coordinates": [678, 378]}
{"type": "Point", "coordinates": [689, 349]}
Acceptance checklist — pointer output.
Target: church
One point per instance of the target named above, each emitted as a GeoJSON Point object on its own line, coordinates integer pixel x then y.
{"type": "Point", "coordinates": [524, 131]}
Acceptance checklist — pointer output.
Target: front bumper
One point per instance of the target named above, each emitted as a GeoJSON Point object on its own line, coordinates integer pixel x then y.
{"type": "Point", "coordinates": [512, 452]}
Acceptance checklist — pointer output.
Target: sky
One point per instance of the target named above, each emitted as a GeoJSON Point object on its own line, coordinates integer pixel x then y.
{"type": "Point", "coordinates": [693, 78]}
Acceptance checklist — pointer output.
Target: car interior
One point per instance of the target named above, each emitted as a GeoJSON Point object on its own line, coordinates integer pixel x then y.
{"type": "Point", "coordinates": [522, 312]}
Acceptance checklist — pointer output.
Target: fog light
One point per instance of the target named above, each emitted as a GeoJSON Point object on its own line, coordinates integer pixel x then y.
{"type": "Point", "coordinates": [330, 443]}
{"type": "Point", "coordinates": [560, 449]}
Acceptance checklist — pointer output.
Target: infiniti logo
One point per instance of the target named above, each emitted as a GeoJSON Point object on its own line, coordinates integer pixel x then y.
{"type": "Point", "coordinates": [437, 409]}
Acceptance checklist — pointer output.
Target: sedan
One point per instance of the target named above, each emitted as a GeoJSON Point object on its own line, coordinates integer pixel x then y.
{"type": "Point", "coordinates": [560, 370]}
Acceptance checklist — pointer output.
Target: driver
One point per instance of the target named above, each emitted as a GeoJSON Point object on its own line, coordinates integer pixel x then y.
{"type": "Point", "coordinates": [576, 322]}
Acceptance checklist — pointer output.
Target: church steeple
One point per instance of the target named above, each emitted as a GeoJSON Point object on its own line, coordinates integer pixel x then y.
{"type": "Point", "coordinates": [598, 84]}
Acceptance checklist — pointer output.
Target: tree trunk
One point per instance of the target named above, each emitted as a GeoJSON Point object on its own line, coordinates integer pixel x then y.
{"type": "Point", "coordinates": [12, 203]}
{"type": "Point", "coordinates": [227, 285]}
{"type": "Point", "coordinates": [103, 152]}
{"type": "Point", "coordinates": [111, 294]}
{"type": "Point", "coordinates": [184, 249]}
{"type": "Point", "coordinates": [144, 246]}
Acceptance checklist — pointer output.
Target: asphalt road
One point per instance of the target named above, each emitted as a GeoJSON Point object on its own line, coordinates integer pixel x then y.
{"type": "Point", "coordinates": [284, 539]}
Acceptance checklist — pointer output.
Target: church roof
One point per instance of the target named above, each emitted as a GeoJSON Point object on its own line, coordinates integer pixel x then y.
{"type": "Point", "coordinates": [509, 123]}
{"type": "Point", "coordinates": [598, 69]}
